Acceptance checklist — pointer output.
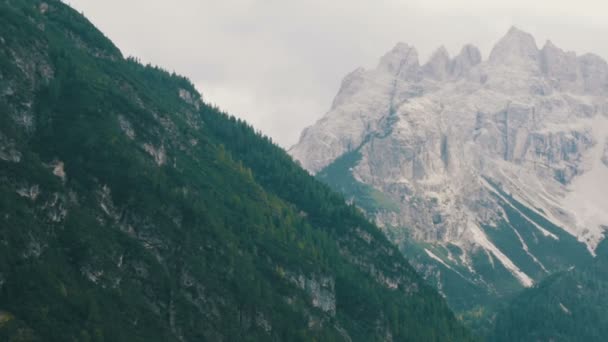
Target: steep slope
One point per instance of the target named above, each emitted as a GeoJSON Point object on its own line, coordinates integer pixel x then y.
{"type": "Point", "coordinates": [132, 211]}
{"type": "Point", "coordinates": [568, 306]}
{"type": "Point", "coordinates": [488, 174]}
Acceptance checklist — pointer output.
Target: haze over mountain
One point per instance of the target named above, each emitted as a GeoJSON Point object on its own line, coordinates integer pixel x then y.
{"type": "Point", "coordinates": [496, 168]}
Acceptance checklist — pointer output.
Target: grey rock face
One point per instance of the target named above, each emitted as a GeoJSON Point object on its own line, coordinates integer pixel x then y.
{"type": "Point", "coordinates": [434, 138]}
{"type": "Point", "coordinates": [515, 45]}
{"type": "Point", "coordinates": [469, 57]}
{"type": "Point", "coordinates": [560, 66]}
{"type": "Point", "coordinates": [401, 61]}
{"type": "Point", "coordinates": [594, 71]}
{"type": "Point", "coordinates": [605, 153]}
{"type": "Point", "coordinates": [320, 289]}
{"type": "Point", "coordinates": [438, 67]}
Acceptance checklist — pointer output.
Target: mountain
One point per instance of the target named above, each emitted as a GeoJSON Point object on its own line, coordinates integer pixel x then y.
{"type": "Point", "coordinates": [489, 174]}
{"type": "Point", "coordinates": [568, 306]}
{"type": "Point", "coordinates": [130, 210]}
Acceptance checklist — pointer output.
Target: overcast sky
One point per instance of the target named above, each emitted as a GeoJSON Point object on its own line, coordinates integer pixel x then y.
{"type": "Point", "coordinates": [279, 63]}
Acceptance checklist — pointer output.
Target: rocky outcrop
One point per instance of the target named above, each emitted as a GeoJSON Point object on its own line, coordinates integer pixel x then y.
{"type": "Point", "coordinates": [320, 290]}
{"type": "Point", "coordinates": [517, 46]}
{"type": "Point", "coordinates": [453, 142]}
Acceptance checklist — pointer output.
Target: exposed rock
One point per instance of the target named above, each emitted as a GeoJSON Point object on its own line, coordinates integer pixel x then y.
{"type": "Point", "coordinates": [442, 141]}
{"type": "Point", "coordinates": [106, 204]}
{"type": "Point", "coordinates": [438, 66]}
{"type": "Point", "coordinates": [159, 154]}
{"type": "Point", "coordinates": [126, 127]}
{"type": "Point", "coordinates": [187, 279]}
{"type": "Point", "coordinates": [343, 333]}
{"type": "Point", "coordinates": [43, 8]}
{"type": "Point", "coordinates": [25, 119]}
{"type": "Point", "coordinates": [320, 289]}
{"type": "Point", "coordinates": [605, 154]}
{"type": "Point", "coordinates": [515, 47]}
{"type": "Point", "coordinates": [262, 322]}
{"type": "Point", "coordinates": [189, 98]}
{"type": "Point", "coordinates": [402, 62]}
{"type": "Point", "coordinates": [93, 275]}
{"type": "Point", "coordinates": [560, 66]}
{"type": "Point", "coordinates": [59, 170]}
{"type": "Point", "coordinates": [34, 248]}
{"type": "Point", "coordinates": [469, 57]}
{"type": "Point", "coordinates": [8, 151]}
{"type": "Point", "coordinates": [56, 208]}
{"type": "Point", "coordinates": [594, 71]}
{"type": "Point", "coordinates": [31, 192]}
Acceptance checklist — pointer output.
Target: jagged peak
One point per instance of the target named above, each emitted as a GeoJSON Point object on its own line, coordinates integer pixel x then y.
{"type": "Point", "coordinates": [439, 64]}
{"type": "Point", "coordinates": [592, 58]}
{"type": "Point", "coordinates": [402, 55]}
{"type": "Point", "coordinates": [514, 30]}
{"type": "Point", "coordinates": [440, 53]}
{"type": "Point", "coordinates": [355, 73]}
{"type": "Point", "coordinates": [550, 46]}
{"type": "Point", "coordinates": [468, 57]}
{"type": "Point", "coordinates": [402, 47]}
{"type": "Point", "coordinates": [348, 86]}
{"type": "Point", "coordinates": [470, 53]}
{"type": "Point", "coordinates": [558, 63]}
{"type": "Point", "coordinates": [594, 71]}
{"type": "Point", "coordinates": [515, 45]}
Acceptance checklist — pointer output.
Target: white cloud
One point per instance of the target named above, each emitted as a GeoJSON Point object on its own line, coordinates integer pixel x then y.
{"type": "Point", "coordinates": [278, 63]}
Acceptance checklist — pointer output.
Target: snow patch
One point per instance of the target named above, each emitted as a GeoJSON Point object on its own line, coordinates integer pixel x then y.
{"type": "Point", "coordinates": [527, 250]}
{"type": "Point", "coordinates": [480, 237]}
{"type": "Point", "coordinates": [439, 260]}
{"type": "Point", "coordinates": [565, 309]}
{"type": "Point", "coordinates": [436, 258]}
{"type": "Point", "coordinates": [542, 230]}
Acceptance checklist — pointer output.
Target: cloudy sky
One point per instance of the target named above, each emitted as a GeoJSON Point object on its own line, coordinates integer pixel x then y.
{"type": "Point", "coordinates": [278, 63]}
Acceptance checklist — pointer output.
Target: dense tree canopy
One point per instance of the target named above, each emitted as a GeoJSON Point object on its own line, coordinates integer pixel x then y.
{"type": "Point", "coordinates": [132, 211]}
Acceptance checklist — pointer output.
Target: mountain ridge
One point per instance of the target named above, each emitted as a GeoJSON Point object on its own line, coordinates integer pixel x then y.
{"type": "Point", "coordinates": [133, 211]}
{"type": "Point", "coordinates": [489, 159]}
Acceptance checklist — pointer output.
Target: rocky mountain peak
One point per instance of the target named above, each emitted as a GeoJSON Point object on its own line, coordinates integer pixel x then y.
{"type": "Point", "coordinates": [469, 57]}
{"type": "Point", "coordinates": [438, 65]}
{"type": "Point", "coordinates": [402, 61]}
{"type": "Point", "coordinates": [516, 46]}
{"type": "Point", "coordinates": [558, 64]}
{"type": "Point", "coordinates": [350, 85]}
{"type": "Point", "coordinates": [482, 155]}
{"type": "Point", "coordinates": [594, 71]}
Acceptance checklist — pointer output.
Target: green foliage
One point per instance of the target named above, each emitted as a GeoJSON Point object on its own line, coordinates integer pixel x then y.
{"type": "Point", "coordinates": [174, 221]}
{"type": "Point", "coordinates": [567, 306]}
{"type": "Point", "coordinates": [339, 176]}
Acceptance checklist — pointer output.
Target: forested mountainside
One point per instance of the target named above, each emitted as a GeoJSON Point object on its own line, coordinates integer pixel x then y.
{"type": "Point", "coordinates": [132, 211]}
{"type": "Point", "coordinates": [568, 306]}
